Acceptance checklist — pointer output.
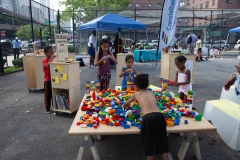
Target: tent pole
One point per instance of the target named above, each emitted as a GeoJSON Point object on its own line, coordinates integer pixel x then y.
{"type": "Point", "coordinates": [225, 45]}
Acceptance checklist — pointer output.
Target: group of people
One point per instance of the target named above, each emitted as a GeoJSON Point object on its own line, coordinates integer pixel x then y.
{"type": "Point", "coordinates": [153, 131]}
{"type": "Point", "coordinates": [194, 42]}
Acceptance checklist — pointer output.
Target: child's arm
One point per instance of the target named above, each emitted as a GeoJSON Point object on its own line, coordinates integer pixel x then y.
{"type": "Point", "coordinates": [188, 73]}
{"type": "Point", "coordinates": [96, 61]}
{"type": "Point", "coordinates": [229, 82]}
{"type": "Point", "coordinates": [176, 79]}
{"type": "Point", "coordinates": [113, 58]}
{"type": "Point", "coordinates": [127, 103]}
{"type": "Point", "coordinates": [51, 59]}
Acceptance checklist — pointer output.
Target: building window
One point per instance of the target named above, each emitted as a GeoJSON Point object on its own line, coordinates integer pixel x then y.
{"type": "Point", "coordinates": [137, 20]}
{"type": "Point", "coordinates": [207, 4]}
{"type": "Point", "coordinates": [213, 2]}
{"type": "Point", "coordinates": [157, 29]}
{"type": "Point", "coordinates": [137, 5]}
{"type": "Point", "coordinates": [188, 2]}
{"type": "Point", "coordinates": [137, 13]}
{"type": "Point", "coordinates": [143, 5]}
{"type": "Point", "coordinates": [149, 5]}
{"type": "Point", "coordinates": [130, 5]}
{"type": "Point", "coordinates": [229, 1]}
{"type": "Point", "coordinates": [149, 28]}
{"type": "Point", "coordinates": [149, 12]}
{"type": "Point", "coordinates": [158, 5]}
{"type": "Point", "coordinates": [182, 4]}
{"type": "Point", "coordinates": [186, 20]}
{"type": "Point", "coordinates": [201, 6]}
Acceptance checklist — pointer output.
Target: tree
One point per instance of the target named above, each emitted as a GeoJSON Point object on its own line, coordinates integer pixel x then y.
{"type": "Point", "coordinates": [89, 6]}
{"type": "Point", "coordinates": [26, 31]}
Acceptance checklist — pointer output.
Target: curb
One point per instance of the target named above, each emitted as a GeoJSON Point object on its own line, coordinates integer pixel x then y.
{"type": "Point", "coordinates": [11, 72]}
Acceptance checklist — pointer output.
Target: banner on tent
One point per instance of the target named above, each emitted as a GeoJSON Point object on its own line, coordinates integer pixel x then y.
{"type": "Point", "coordinates": [168, 23]}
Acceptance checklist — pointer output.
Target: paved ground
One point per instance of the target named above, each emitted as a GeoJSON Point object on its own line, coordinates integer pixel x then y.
{"type": "Point", "coordinates": [28, 133]}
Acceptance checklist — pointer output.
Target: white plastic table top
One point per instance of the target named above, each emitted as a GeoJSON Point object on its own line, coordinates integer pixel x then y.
{"type": "Point", "coordinates": [192, 126]}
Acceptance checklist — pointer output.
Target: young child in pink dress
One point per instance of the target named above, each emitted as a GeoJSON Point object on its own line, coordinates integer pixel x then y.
{"type": "Point", "coordinates": [183, 77]}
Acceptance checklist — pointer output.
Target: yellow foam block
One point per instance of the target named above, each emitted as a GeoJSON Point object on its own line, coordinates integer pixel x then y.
{"type": "Point", "coordinates": [228, 107]}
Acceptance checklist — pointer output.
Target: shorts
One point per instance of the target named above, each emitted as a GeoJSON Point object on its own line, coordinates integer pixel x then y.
{"type": "Point", "coordinates": [191, 50]}
{"type": "Point", "coordinates": [91, 52]}
{"type": "Point", "coordinates": [154, 135]}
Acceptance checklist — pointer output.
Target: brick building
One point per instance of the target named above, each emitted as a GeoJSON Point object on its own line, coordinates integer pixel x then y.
{"type": "Point", "coordinates": [206, 12]}
{"type": "Point", "coordinates": [147, 12]}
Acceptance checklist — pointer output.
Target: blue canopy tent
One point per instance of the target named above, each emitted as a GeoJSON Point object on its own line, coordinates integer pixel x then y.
{"type": "Point", "coordinates": [234, 30]}
{"type": "Point", "coordinates": [112, 22]}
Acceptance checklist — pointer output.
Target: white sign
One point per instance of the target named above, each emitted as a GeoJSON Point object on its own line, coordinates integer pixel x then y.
{"type": "Point", "coordinates": [61, 46]}
{"type": "Point", "coordinates": [168, 24]}
{"type": "Point", "coordinates": [189, 65]}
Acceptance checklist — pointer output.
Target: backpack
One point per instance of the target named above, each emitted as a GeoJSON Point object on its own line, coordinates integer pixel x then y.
{"type": "Point", "coordinates": [189, 41]}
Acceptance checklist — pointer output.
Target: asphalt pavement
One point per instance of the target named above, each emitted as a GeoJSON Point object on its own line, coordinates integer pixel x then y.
{"type": "Point", "coordinates": [28, 133]}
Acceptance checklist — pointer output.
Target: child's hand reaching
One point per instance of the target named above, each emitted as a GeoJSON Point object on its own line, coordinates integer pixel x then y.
{"type": "Point", "coordinates": [129, 70]}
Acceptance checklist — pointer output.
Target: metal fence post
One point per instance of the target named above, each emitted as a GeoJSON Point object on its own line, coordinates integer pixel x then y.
{"type": "Point", "coordinates": [1, 60]}
{"type": "Point", "coordinates": [30, 9]}
{"type": "Point", "coordinates": [73, 33]}
{"type": "Point", "coordinates": [49, 23]}
{"type": "Point", "coordinates": [58, 22]}
{"type": "Point", "coordinates": [41, 37]}
{"type": "Point", "coordinates": [135, 18]}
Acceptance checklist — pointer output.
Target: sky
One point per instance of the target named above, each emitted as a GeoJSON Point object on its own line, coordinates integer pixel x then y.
{"type": "Point", "coordinates": [55, 6]}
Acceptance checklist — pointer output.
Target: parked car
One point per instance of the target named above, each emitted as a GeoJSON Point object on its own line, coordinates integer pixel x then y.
{"type": "Point", "coordinates": [237, 45]}
{"type": "Point", "coordinates": [127, 42]}
{"type": "Point", "coordinates": [38, 45]}
{"type": "Point", "coordinates": [6, 47]}
{"type": "Point", "coordinates": [154, 44]}
{"type": "Point", "coordinates": [220, 44]}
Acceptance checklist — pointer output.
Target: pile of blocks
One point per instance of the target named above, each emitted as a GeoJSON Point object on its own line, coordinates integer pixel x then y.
{"type": "Point", "coordinates": [107, 109]}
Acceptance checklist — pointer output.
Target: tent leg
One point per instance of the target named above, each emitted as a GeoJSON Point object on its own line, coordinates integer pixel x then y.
{"type": "Point", "coordinates": [225, 45]}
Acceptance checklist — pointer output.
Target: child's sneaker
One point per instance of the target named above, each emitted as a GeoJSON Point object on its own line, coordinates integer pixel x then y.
{"type": "Point", "coordinates": [48, 111]}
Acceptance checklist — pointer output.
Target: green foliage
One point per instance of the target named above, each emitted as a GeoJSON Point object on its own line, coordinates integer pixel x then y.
{"type": "Point", "coordinates": [88, 7]}
{"type": "Point", "coordinates": [11, 69]}
{"type": "Point", "coordinates": [26, 31]}
{"type": "Point", "coordinates": [4, 19]}
{"type": "Point", "coordinates": [70, 49]}
{"type": "Point", "coordinates": [18, 62]}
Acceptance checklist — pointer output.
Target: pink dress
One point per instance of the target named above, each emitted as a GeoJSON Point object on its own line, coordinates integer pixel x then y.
{"type": "Point", "coordinates": [182, 77]}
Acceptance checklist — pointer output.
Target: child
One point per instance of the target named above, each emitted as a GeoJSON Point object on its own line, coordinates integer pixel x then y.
{"type": "Point", "coordinates": [48, 51]}
{"type": "Point", "coordinates": [183, 78]}
{"type": "Point", "coordinates": [103, 61]}
{"type": "Point", "coordinates": [153, 131]}
{"type": "Point", "coordinates": [128, 72]}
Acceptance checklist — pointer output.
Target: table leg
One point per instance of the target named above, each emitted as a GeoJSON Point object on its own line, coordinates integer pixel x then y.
{"type": "Point", "coordinates": [196, 145]}
{"type": "Point", "coordinates": [92, 147]}
{"type": "Point", "coordinates": [184, 146]}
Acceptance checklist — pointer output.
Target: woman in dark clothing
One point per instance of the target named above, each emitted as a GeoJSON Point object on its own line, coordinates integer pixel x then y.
{"type": "Point", "coordinates": [117, 45]}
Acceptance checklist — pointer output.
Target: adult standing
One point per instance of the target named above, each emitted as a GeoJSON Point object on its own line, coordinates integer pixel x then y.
{"type": "Point", "coordinates": [117, 45]}
{"type": "Point", "coordinates": [91, 48]}
{"type": "Point", "coordinates": [191, 43]}
{"type": "Point", "coordinates": [16, 47]}
{"type": "Point", "coordinates": [24, 46]}
{"type": "Point", "coordinates": [199, 48]}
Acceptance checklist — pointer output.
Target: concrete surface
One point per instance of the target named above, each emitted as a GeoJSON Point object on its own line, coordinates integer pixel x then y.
{"type": "Point", "coordinates": [28, 133]}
